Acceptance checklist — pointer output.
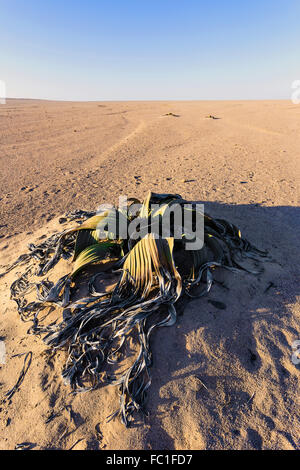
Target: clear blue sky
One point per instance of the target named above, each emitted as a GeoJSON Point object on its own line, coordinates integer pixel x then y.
{"type": "Point", "coordinates": [149, 49]}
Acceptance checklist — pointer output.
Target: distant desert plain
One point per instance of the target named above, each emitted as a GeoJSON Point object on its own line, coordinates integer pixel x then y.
{"type": "Point", "coordinates": [221, 379]}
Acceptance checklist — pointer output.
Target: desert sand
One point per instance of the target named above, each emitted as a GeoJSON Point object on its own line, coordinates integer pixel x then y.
{"type": "Point", "coordinates": [222, 379]}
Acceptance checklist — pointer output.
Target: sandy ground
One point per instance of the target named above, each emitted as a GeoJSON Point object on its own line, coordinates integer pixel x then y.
{"type": "Point", "coordinates": [56, 157]}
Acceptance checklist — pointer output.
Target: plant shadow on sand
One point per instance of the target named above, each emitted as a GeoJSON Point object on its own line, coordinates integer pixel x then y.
{"type": "Point", "coordinates": [224, 378]}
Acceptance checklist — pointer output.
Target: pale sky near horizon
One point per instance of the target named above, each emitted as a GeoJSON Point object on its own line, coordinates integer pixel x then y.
{"type": "Point", "coordinates": [149, 49]}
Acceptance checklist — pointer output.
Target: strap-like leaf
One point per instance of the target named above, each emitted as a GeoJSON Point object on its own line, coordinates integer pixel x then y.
{"type": "Point", "coordinates": [94, 254]}
{"type": "Point", "coordinates": [84, 239]}
{"type": "Point", "coordinates": [150, 256]}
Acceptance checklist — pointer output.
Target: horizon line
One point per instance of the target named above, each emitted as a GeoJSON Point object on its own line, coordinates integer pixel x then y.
{"type": "Point", "coordinates": [145, 99]}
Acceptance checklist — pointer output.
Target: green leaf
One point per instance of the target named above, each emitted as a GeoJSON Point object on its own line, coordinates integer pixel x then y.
{"type": "Point", "coordinates": [94, 254]}
{"type": "Point", "coordinates": [148, 257]}
{"type": "Point", "coordinates": [84, 239]}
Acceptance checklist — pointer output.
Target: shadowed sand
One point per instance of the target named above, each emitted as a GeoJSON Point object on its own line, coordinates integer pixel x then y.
{"type": "Point", "coordinates": [222, 379]}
